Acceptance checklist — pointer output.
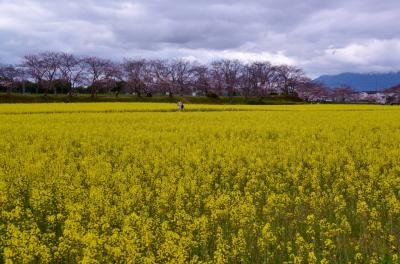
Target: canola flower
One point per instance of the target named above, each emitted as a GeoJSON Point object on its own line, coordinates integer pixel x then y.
{"type": "Point", "coordinates": [140, 183]}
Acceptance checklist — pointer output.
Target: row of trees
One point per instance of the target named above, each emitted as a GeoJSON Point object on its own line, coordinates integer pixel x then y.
{"type": "Point", "coordinates": [50, 70]}
{"type": "Point", "coordinates": [314, 92]}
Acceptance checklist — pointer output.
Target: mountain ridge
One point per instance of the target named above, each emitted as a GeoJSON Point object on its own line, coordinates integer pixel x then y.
{"type": "Point", "coordinates": [361, 81]}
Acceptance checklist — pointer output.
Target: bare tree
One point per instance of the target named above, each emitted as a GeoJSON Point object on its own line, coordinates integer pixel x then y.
{"type": "Point", "coordinates": [162, 74]}
{"type": "Point", "coordinates": [71, 69]}
{"type": "Point", "coordinates": [112, 75]}
{"type": "Point", "coordinates": [35, 68]}
{"type": "Point", "coordinates": [138, 75]}
{"type": "Point", "coordinates": [289, 77]}
{"type": "Point", "coordinates": [217, 80]}
{"type": "Point", "coordinates": [181, 75]}
{"type": "Point", "coordinates": [250, 80]}
{"type": "Point", "coordinates": [267, 78]}
{"type": "Point", "coordinates": [257, 78]}
{"type": "Point", "coordinates": [201, 78]}
{"type": "Point", "coordinates": [9, 76]}
{"type": "Point", "coordinates": [230, 71]}
{"type": "Point", "coordinates": [50, 62]}
{"type": "Point", "coordinates": [95, 71]}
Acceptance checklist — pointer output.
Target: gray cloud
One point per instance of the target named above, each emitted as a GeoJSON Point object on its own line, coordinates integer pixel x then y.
{"type": "Point", "coordinates": [320, 36]}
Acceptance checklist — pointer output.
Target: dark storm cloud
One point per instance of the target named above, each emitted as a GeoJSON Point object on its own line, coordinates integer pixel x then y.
{"type": "Point", "coordinates": [320, 36]}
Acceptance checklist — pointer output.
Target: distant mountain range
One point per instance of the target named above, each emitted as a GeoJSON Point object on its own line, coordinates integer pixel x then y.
{"type": "Point", "coordinates": [362, 81]}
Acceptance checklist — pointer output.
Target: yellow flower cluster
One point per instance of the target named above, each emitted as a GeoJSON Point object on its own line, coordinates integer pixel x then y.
{"type": "Point", "coordinates": [142, 183]}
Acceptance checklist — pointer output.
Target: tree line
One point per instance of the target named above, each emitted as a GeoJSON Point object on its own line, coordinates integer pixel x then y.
{"type": "Point", "coordinates": [60, 72]}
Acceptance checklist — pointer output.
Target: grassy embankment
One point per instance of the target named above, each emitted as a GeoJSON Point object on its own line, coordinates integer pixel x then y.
{"type": "Point", "coordinates": [39, 98]}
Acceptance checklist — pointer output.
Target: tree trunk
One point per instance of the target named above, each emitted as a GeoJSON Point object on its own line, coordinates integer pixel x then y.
{"type": "Point", "coordinates": [38, 84]}
{"type": "Point", "coordinates": [230, 94]}
{"type": "Point", "coordinates": [9, 88]}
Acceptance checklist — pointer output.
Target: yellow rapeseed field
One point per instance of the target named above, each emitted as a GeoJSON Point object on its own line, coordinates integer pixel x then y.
{"type": "Point", "coordinates": [143, 183]}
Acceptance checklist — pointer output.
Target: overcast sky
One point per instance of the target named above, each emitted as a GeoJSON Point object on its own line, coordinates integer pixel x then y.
{"type": "Point", "coordinates": [321, 36]}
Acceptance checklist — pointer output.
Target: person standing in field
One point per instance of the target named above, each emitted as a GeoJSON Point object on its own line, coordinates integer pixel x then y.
{"type": "Point", "coordinates": [180, 106]}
